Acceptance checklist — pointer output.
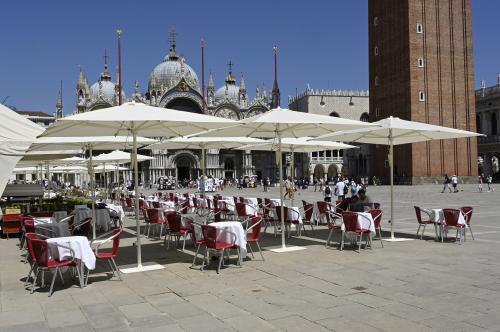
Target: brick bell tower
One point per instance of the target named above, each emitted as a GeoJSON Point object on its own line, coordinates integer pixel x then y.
{"type": "Point", "coordinates": [421, 69]}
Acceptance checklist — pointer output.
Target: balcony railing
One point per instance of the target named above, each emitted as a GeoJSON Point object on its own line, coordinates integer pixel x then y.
{"type": "Point", "coordinates": [327, 159]}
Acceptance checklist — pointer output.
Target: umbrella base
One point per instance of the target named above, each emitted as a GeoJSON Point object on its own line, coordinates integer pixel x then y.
{"type": "Point", "coordinates": [149, 266]}
{"type": "Point", "coordinates": [281, 249]}
{"type": "Point", "coordinates": [396, 239]}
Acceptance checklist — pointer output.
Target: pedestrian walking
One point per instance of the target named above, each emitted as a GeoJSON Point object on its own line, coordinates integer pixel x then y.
{"type": "Point", "coordinates": [480, 182]}
{"type": "Point", "coordinates": [328, 193]}
{"type": "Point", "coordinates": [446, 183]}
{"type": "Point", "coordinates": [490, 183]}
{"type": "Point", "coordinates": [454, 183]}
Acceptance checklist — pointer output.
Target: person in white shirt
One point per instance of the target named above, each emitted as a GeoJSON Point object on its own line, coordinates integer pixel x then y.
{"type": "Point", "coordinates": [454, 182]}
{"type": "Point", "coordinates": [340, 190]}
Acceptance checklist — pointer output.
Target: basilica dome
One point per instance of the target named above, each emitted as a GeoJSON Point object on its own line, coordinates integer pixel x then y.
{"type": "Point", "coordinates": [169, 73]}
{"type": "Point", "coordinates": [229, 90]}
{"type": "Point", "coordinates": [105, 89]}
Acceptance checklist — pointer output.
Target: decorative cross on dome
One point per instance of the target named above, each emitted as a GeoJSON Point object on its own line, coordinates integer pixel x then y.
{"type": "Point", "coordinates": [172, 36]}
{"type": "Point", "coordinates": [230, 65]}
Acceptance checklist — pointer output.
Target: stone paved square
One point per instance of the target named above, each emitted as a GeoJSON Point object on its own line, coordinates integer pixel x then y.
{"type": "Point", "coordinates": [418, 285]}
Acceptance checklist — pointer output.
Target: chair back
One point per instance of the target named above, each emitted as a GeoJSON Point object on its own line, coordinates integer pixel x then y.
{"type": "Point", "coordinates": [418, 214]}
{"type": "Point", "coordinates": [142, 204]}
{"type": "Point", "coordinates": [128, 202]}
{"type": "Point", "coordinates": [116, 240]}
{"type": "Point", "coordinates": [467, 211]}
{"type": "Point", "coordinates": [241, 209]}
{"type": "Point", "coordinates": [278, 213]}
{"type": "Point", "coordinates": [209, 203]}
{"type": "Point", "coordinates": [324, 209]}
{"type": "Point", "coordinates": [241, 199]}
{"type": "Point", "coordinates": [209, 235]}
{"type": "Point", "coordinates": [29, 225]}
{"type": "Point", "coordinates": [145, 214]}
{"type": "Point", "coordinates": [154, 216]}
{"type": "Point", "coordinates": [41, 214]}
{"type": "Point", "coordinates": [256, 227]}
{"type": "Point", "coordinates": [156, 204]}
{"type": "Point", "coordinates": [235, 199]}
{"type": "Point", "coordinates": [377, 217]}
{"type": "Point", "coordinates": [174, 222]}
{"type": "Point", "coordinates": [350, 220]}
{"type": "Point", "coordinates": [259, 202]}
{"type": "Point", "coordinates": [40, 251]}
{"type": "Point", "coordinates": [451, 217]}
{"type": "Point", "coordinates": [308, 211]}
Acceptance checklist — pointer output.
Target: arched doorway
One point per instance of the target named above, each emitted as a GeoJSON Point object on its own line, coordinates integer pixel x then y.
{"type": "Point", "coordinates": [185, 167]}
{"type": "Point", "coordinates": [184, 104]}
{"type": "Point", "coordinates": [332, 171]}
{"type": "Point", "coordinates": [319, 172]}
{"type": "Point", "coordinates": [229, 168]}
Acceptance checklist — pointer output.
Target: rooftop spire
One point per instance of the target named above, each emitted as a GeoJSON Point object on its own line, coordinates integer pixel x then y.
{"type": "Point", "coordinates": [230, 79]}
{"type": "Point", "coordinates": [276, 91]}
{"type": "Point", "coordinates": [171, 40]}
{"type": "Point", "coordinates": [105, 75]}
{"type": "Point", "coordinates": [242, 83]}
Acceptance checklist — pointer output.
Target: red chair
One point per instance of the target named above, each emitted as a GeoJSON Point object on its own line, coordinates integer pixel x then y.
{"type": "Point", "coordinates": [146, 220]}
{"type": "Point", "coordinates": [377, 219]}
{"type": "Point", "coordinates": [423, 222]}
{"type": "Point", "coordinates": [210, 236]}
{"type": "Point", "coordinates": [184, 207]}
{"type": "Point", "coordinates": [44, 263]}
{"type": "Point", "coordinates": [29, 255]}
{"type": "Point", "coordinates": [325, 211]}
{"type": "Point", "coordinates": [266, 214]}
{"type": "Point", "coordinates": [241, 212]}
{"type": "Point", "coordinates": [467, 212]}
{"type": "Point", "coordinates": [253, 234]}
{"type": "Point", "coordinates": [350, 221]}
{"type": "Point", "coordinates": [285, 218]}
{"type": "Point", "coordinates": [176, 229]}
{"type": "Point", "coordinates": [451, 219]}
{"type": "Point", "coordinates": [109, 255]}
{"type": "Point", "coordinates": [308, 215]}
{"type": "Point", "coordinates": [142, 204]}
{"type": "Point", "coordinates": [331, 218]}
{"type": "Point", "coordinates": [156, 219]}
{"type": "Point", "coordinates": [12, 224]}
{"type": "Point", "coordinates": [198, 242]}
{"type": "Point", "coordinates": [156, 204]}
{"type": "Point", "coordinates": [241, 199]}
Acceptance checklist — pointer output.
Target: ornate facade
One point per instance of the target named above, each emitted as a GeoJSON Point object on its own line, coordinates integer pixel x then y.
{"type": "Point", "coordinates": [174, 84]}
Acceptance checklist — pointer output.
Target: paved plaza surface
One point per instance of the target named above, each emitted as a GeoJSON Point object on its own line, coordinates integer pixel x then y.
{"type": "Point", "coordinates": [419, 285]}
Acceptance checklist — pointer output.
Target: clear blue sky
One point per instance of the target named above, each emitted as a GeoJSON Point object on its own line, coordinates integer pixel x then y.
{"type": "Point", "coordinates": [323, 43]}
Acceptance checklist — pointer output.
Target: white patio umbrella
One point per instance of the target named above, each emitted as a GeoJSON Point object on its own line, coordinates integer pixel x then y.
{"type": "Point", "coordinates": [293, 145]}
{"type": "Point", "coordinates": [282, 123]}
{"type": "Point", "coordinates": [109, 168]}
{"type": "Point", "coordinates": [135, 119]}
{"type": "Point", "coordinates": [203, 143]}
{"type": "Point", "coordinates": [394, 131]}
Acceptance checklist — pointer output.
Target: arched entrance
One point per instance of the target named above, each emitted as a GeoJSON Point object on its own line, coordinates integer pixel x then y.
{"type": "Point", "coordinates": [332, 171]}
{"type": "Point", "coordinates": [184, 104]}
{"type": "Point", "coordinates": [319, 172]}
{"type": "Point", "coordinates": [229, 168]}
{"type": "Point", "coordinates": [185, 168]}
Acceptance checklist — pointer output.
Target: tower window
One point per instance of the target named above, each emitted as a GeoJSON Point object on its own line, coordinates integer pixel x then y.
{"type": "Point", "coordinates": [375, 21]}
{"type": "Point", "coordinates": [421, 96]}
{"type": "Point", "coordinates": [420, 28]}
{"type": "Point", "coordinates": [420, 62]}
{"type": "Point", "coordinates": [376, 51]}
{"type": "Point", "coordinates": [376, 81]}
{"type": "Point", "coordinates": [377, 111]}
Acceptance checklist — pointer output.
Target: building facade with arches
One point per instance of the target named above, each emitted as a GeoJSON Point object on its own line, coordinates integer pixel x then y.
{"type": "Point", "coordinates": [348, 104]}
{"type": "Point", "coordinates": [488, 123]}
{"type": "Point", "coordinates": [174, 84]}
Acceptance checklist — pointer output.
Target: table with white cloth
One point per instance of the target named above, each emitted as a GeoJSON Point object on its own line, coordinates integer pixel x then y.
{"type": "Point", "coordinates": [437, 216]}
{"type": "Point", "coordinates": [251, 201]}
{"type": "Point", "coordinates": [80, 246]}
{"type": "Point", "coordinates": [251, 210]}
{"type": "Point", "coordinates": [229, 203]}
{"type": "Point", "coordinates": [229, 231]}
{"type": "Point", "coordinates": [365, 221]}
{"type": "Point", "coordinates": [167, 205]}
{"type": "Point", "coordinates": [58, 215]}
{"type": "Point", "coordinates": [103, 220]}
{"type": "Point", "coordinates": [116, 210]}
{"type": "Point", "coordinates": [293, 213]}
{"type": "Point", "coordinates": [81, 214]}
{"type": "Point", "coordinates": [275, 202]}
{"type": "Point", "coordinates": [49, 228]}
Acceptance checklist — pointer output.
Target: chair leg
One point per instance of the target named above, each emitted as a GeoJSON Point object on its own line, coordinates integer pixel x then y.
{"type": "Point", "coordinates": [260, 250]}
{"type": "Point", "coordinates": [423, 231]}
{"type": "Point", "coordinates": [380, 236]}
{"type": "Point", "coordinates": [220, 260]}
{"type": "Point", "coordinates": [205, 257]}
{"type": "Point", "coordinates": [116, 268]}
{"type": "Point", "coordinates": [470, 229]}
{"type": "Point", "coordinates": [329, 236]}
{"type": "Point", "coordinates": [54, 275]}
{"type": "Point", "coordinates": [196, 255]}
{"type": "Point", "coordinates": [360, 241]}
{"type": "Point", "coordinates": [342, 241]}
{"type": "Point", "coordinates": [29, 275]}
{"type": "Point", "coordinates": [251, 250]}
{"type": "Point", "coordinates": [418, 230]}
{"type": "Point", "coordinates": [60, 275]}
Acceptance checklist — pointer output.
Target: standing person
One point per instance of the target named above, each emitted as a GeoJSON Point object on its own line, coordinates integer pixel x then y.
{"type": "Point", "coordinates": [490, 183]}
{"type": "Point", "coordinates": [264, 184]}
{"type": "Point", "coordinates": [287, 188]}
{"type": "Point", "coordinates": [340, 190]}
{"type": "Point", "coordinates": [446, 183]}
{"type": "Point", "coordinates": [321, 184]}
{"type": "Point", "coordinates": [480, 183]}
{"type": "Point", "coordinates": [454, 183]}
{"type": "Point", "coordinates": [315, 181]}
{"type": "Point", "coordinates": [328, 193]}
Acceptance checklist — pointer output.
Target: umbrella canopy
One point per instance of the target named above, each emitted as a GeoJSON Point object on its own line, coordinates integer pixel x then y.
{"type": "Point", "coordinates": [297, 145]}
{"type": "Point", "coordinates": [118, 157]}
{"type": "Point", "coordinates": [135, 119]}
{"type": "Point", "coordinates": [109, 168]}
{"type": "Point", "coordinates": [95, 142]}
{"type": "Point", "coordinates": [22, 170]}
{"type": "Point", "coordinates": [16, 134]}
{"type": "Point", "coordinates": [68, 168]}
{"type": "Point", "coordinates": [394, 131]}
{"type": "Point", "coordinates": [281, 123]}
{"type": "Point", "coordinates": [45, 156]}
{"type": "Point", "coordinates": [197, 142]}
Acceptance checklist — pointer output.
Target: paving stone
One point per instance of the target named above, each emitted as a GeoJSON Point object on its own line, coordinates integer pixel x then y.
{"type": "Point", "coordinates": [215, 306]}
{"type": "Point", "coordinates": [65, 318]}
{"type": "Point", "coordinates": [296, 323]}
{"type": "Point", "coordinates": [249, 323]}
{"type": "Point", "coordinates": [26, 327]}
{"type": "Point", "coordinates": [203, 322]}
{"type": "Point", "coordinates": [139, 310]}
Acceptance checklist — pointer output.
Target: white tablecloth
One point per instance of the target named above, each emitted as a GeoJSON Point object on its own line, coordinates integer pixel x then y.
{"type": "Point", "coordinates": [232, 229]}
{"type": "Point", "coordinates": [229, 204]}
{"type": "Point", "coordinates": [167, 205]}
{"type": "Point", "coordinates": [252, 201]}
{"type": "Point", "coordinates": [437, 216]}
{"type": "Point", "coordinates": [43, 220]}
{"type": "Point", "coordinates": [80, 246]}
{"type": "Point", "coordinates": [294, 213]}
{"type": "Point", "coordinates": [365, 221]}
{"type": "Point", "coordinates": [81, 214]}
{"type": "Point", "coordinates": [117, 209]}
{"type": "Point", "coordinates": [275, 202]}
{"type": "Point", "coordinates": [251, 209]}
{"type": "Point", "coordinates": [58, 215]}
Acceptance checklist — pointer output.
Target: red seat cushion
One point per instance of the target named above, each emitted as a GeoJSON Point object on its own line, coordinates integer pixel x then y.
{"type": "Point", "coordinates": [105, 255]}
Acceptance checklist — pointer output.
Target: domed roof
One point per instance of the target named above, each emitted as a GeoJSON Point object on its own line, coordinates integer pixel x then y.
{"type": "Point", "coordinates": [171, 71]}
{"type": "Point", "coordinates": [106, 90]}
{"type": "Point", "coordinates": [229, 90]}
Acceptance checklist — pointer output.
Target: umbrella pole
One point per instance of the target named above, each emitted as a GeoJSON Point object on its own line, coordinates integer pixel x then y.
{"type": "Point", "coordinates": [105, 184]}
{"type": "Point", "coordinates": [282, 199]}
{"type": "Point", "coordinates": [92, 188]}
{"type": "Point", "coordinates": [136, 187]}
{"type": "Point", "coordinates": [292, 171]}
{"type": "Point", "coordinates": [391, 167]}
{"type": "Point", "coordinates": [49, 182]}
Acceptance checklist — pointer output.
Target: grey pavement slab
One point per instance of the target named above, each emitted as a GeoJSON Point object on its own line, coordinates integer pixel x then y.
{"type": "Point", "coordinates": [418, 285]}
